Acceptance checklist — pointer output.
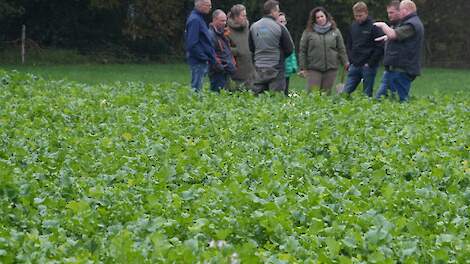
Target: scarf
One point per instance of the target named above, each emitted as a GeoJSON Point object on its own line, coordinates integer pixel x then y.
{"type": "Point", "coordinates": [322, 29]}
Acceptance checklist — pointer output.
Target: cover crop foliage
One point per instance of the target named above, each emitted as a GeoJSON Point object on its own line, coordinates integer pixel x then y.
{"type": "Point", "coordinates": [153, 173]}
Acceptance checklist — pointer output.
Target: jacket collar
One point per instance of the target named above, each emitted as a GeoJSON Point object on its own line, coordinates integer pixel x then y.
{"type": "Point", "coordinates": [216, 30]}
{"type": "Point", "coordinates": [269, 16]}
{"type": "Point", "coordinates": [197, 12]}
{"type": "Point", "coordinates": [394, 23]}
{"type": "Point", "coordinates": [409, 16]}
{"type": "Point", "coordinates": [234, 25]}
{"type": "Point", "coordinates": [368, 20]}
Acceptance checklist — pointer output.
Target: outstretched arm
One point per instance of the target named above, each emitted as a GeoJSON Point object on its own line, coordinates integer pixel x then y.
{"type": "Point", "coordinates": [389, 32]}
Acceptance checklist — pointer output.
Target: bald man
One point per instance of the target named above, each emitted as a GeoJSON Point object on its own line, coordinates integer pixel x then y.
{"type": "Point", "coordinates": [403, 54]}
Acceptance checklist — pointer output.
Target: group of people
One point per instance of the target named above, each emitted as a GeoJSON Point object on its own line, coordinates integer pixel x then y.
{"type": "Point", "coordinates": [262, 56]}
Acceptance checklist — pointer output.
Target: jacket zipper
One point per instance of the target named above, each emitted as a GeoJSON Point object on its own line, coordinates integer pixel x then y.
{"type": "Point", "coordinates": [324, 51]}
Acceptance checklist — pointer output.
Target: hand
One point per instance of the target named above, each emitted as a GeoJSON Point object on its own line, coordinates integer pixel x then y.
{"type": "Point", "coordinates": [301, 73]}
{"type": "Point", "coordinates": [380, 24]}
{"type": "Point", "coordinates": [346, 66]}
{"type": "Point", "coordinates": [230, 68]}
{"type": "Point", "coordinates": [218, 67]}
{"type": "Point", "coordinates": [382, 38]}
{"type": "Point", "coordinates": [366, 65]}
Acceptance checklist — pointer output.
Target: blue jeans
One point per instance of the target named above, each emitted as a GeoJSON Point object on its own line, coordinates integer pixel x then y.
{"type": "Point", "coordinates": [384, 86]}
{"type": "Point", "coordinates": [356, 74]}
{"type": "Point", "coordinates": [198, 71]}
{"type": "Point", "coordinates": [218, 81]}
{"type": "Point", "coordinates": [401, 82]}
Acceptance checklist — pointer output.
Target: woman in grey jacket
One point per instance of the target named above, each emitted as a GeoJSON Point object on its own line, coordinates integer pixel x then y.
{"type": "Point", "coordinates": [238, 30]}
{"type": "Point", "coordinates": [321, 51]}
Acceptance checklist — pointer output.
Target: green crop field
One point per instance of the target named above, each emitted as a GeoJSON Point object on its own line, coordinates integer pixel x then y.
{"type": "Point", "coordinates": [443, 81]}
{"type": "Point", "coordinates": [144, 171]}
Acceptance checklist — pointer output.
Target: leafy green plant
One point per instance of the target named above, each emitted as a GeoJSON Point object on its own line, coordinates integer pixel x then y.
{"type": "Point", "coordinates": [152, 173]}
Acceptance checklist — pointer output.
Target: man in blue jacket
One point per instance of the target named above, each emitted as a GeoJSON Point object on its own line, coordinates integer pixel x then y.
{"type": "Point", "coordinates": [199, 50]}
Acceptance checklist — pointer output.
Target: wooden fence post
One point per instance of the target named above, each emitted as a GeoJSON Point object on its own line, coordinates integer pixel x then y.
{"type": "Point", "coordinates": [23, 43]}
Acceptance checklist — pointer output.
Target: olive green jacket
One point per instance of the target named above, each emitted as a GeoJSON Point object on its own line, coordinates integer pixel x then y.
{"type": "Point", "coordinates": [322, 52]}
{"type": "Point", "coordinates": [238, 36]}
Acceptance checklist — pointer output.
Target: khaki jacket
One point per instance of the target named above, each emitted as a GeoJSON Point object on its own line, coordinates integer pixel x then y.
{"type": "Point", "coordinates": [238, 36]}
{"type": "Point", "coordinates": [322, 52]}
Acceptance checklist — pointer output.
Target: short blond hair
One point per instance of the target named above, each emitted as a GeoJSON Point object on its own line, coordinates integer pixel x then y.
{"type": "Point", "coordinates": [360, 7]}
{"type": "Point", "coordinates": [409, 5]}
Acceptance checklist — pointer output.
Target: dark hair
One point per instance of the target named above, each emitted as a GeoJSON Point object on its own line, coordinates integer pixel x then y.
{"type": "Point", "coordinates": [395, 4]}
{"type": "Point", "coordinates": [269, 6]}
{"type": "Point", "coordinates": [311, 18]}
{"type": "Point", "coordinates": [236, 10]}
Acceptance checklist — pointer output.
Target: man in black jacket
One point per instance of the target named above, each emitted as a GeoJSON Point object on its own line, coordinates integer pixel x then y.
{"type": "Point", "coordinates": [405, 44]}
{"type": "Point", "coordinates": [393, 12]}
{"type": "Point", "coordinates": [364, 53]}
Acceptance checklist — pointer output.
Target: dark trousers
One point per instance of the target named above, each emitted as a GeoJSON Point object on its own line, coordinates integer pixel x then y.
{"type": "Point", "coordinates": [286, 91]}
{"type": "Point", "coordinates": [218, 81]}
{"type": "Point", "coordinates": [401, 82]}
{"type": "Point", "coordinates": [356, 74]}
{"type": "Point", "coordinates": [385, 86]}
